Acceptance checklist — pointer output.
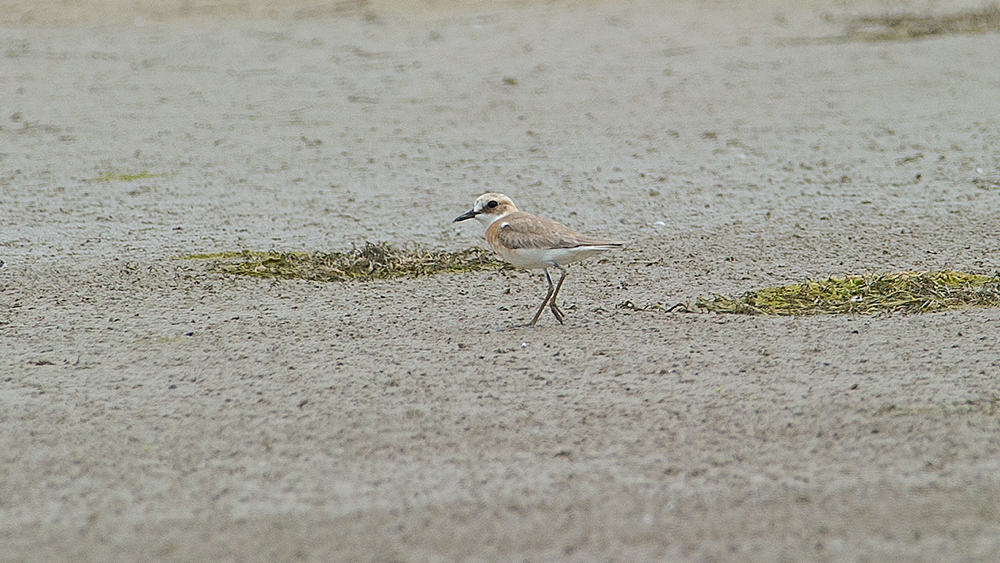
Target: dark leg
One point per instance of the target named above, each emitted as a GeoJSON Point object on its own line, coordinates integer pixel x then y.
{"type": "Point", "coordinates": [552, 303]}
{"type": "Point", "coordinates": [545, 301]}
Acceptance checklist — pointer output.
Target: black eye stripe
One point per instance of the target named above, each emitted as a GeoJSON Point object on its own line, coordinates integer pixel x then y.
{"type": "Point", "coordinates": [492, 204]}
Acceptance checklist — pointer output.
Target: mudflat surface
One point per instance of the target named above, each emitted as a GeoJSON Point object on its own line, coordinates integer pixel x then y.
{"type": "Point", "coordinates": [153, 410]}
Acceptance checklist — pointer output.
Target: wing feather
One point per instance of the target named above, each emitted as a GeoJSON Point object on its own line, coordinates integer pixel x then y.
{"type": "Point", "coordinates": [523, 230]}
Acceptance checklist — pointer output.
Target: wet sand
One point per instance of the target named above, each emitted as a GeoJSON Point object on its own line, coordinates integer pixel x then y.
{"type": "Point", "coordinates": [152, 410]}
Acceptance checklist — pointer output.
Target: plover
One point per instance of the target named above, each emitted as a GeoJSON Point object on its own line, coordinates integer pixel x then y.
{"type": "Point", "coordinates": [527, 241]}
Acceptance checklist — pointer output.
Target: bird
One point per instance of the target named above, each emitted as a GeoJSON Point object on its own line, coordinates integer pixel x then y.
{"type": "Point", "coordinates": [528, 241]}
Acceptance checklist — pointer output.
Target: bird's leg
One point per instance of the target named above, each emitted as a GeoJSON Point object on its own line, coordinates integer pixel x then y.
{"type": "Point", "coordinates": [552, 303]}
{"type": "Point", "coordinates": [545, 301]}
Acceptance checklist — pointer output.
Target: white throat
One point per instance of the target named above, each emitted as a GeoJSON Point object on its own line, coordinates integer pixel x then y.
{"type": "Point", "coordinates": [487, 219]}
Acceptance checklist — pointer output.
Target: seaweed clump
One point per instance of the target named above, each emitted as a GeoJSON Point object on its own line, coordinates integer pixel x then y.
{"type": "Point", "coordinates": [907, 292]}
{"type": "Point", "coordinates": [369, 262]}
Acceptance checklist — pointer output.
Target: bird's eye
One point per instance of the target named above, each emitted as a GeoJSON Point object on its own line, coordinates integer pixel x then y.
{"type": "Point", "coordinates": [492, 204]}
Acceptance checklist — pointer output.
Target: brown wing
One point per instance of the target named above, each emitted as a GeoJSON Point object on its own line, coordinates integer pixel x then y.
{"type": "Point", "coordinates": [523, 230]}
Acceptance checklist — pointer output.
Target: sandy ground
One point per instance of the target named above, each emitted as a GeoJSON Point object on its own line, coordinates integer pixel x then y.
{"type": "Point", "coordinates": [151, 410]}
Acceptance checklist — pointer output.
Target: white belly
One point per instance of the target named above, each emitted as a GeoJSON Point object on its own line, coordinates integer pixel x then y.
{"type": "Point", "coordinates": [548, 257]}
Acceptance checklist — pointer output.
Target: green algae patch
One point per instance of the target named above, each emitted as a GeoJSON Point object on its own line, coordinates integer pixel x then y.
{"type": "Point", "coordinates": [908, 26]}
{"type": "Point", "coordinates": [872, 294]}
{"type": "Point", "coordinates": [125, 176]}
{"type": "Point", "coordinates": [373, 261]}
